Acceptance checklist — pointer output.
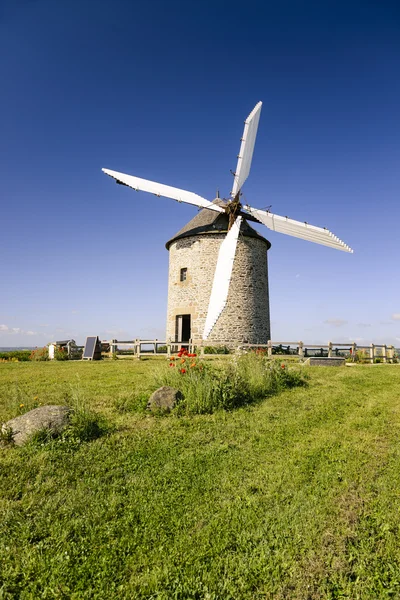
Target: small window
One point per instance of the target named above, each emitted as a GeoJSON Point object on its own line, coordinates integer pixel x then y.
{"type": "Point", "coordinates": [183, 274]}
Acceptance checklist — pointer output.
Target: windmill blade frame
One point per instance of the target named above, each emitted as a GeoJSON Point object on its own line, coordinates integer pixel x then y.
{"type": "Point", "coordinates": [305, 231]}
{"type": "Point", "coordinates": [246, 149]}
{"type": "Point", "coordinates": [222, 277]}
{"type": "Point", "coordinates": [159, 189]}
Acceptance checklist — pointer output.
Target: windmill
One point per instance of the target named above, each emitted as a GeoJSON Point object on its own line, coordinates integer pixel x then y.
{"type": "Point", "coordinates": [236, 214]}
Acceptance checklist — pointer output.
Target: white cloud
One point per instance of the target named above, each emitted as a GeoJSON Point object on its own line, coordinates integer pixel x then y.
{"type": "Point", "coordinates": [31, 333]}
{"type": "Point", "coordinates": [16, 330]}
{"type": "Point", "coordinates": [363, 324]}
{"type": "Point", "coordinates": [3, 327]}
{"type": "Point", "coordinates": [396, 317]}
{"type": "Point", "coordinates": [335, 322]}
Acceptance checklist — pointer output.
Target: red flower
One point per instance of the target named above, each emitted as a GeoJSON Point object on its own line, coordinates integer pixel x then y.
{"type": "Point", "coordinates": [282, 366]}
{"type": "Point", "coordinates": [183, 370]}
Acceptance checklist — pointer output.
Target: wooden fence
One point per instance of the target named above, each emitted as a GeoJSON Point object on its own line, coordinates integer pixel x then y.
{"type": "Point", "coordinates": [357, 352]}
{"type": "Point", "coordinates": [138, 348]}
{"type": "Point", "coordinates": [141, 348]}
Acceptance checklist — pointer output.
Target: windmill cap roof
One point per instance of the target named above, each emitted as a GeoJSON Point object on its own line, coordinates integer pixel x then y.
{"type": "Point", "coordinates": [209, 221]}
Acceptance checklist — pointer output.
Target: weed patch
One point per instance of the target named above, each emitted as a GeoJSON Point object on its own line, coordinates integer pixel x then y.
{"type": "Point", "coordinates": [243, 380]}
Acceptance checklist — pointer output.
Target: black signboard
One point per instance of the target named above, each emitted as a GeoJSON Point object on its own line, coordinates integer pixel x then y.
{"type": "Point", "coordinates": [92, 350]}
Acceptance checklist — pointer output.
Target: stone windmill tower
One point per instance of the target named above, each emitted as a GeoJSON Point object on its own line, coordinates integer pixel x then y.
{"type": "Point", "coordinates": [218, 274]}
{"type": "Point", "coordinates": [193, 254]}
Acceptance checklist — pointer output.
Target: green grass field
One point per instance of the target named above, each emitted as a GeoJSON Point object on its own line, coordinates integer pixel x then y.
{"type": "Point", "coordinates": [295, 497]}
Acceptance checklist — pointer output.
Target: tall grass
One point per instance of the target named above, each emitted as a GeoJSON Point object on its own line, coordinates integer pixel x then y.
{"type": "Point", "coordinates": [207, 388]}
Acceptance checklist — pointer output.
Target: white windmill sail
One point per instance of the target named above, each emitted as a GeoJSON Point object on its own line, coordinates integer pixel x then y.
{"type": "Point", "coordinates": [159, 189]}
{"type": "Point", "coordinates": [222, 277]}
{"type": "Point", "coordinates": [319, 235]}
{"type": "Point", "coordinates": [246, 149]}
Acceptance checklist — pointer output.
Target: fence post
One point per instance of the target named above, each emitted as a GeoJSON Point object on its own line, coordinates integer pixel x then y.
{"type": "Point", "coordinates": [269, 348]}
{"type": "Point", "coordinates": [301, 350]}
{"type": "Point", "coordinates": [137, 347]}
{"type": "Point", "coordinates": [353, 351]}
{"type": "Point", "coordinates": [329, 349]}
{"type": "Point", "coordinates": [155, 346]}
{"type": "Point", "coordinates": [391, 353]}
{"type": "Point", "coordinates": [169, 348]}
{"type": "Point", "coordinates": [384, 353]}
{"type": "Point", "coordinates": [372, 353]}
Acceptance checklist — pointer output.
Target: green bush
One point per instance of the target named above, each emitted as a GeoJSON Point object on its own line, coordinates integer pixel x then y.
{"type": "Point", "coordinates": [60, 354]}
{"type": "Point", "coordinates": [39, 354]}
{"type": "Point", "coordinates": [85, 424]}
{"type": "Point", "coordinates": [265, 377]}
{"type": "Point", "coordinates": [207, 387]}
{"type": "Point", "coordinates": [6, 435]}
{"type": "Point", "coordinates": [216, 350]}
{"type": "Point", "coordinates": [20, 355]}
{"type": "Point", "coordinates": [280, 349]}
{"type": "Point", "coordinates": [361, 356]}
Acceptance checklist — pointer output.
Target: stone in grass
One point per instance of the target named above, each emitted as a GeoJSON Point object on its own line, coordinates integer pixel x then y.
{"type": "Point", "coordinates": [164, 399]}
{"type": "Point", "coordinates": [53, 418]}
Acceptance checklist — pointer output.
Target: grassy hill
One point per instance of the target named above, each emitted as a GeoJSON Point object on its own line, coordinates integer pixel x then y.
{"type": "Point", "coordinates": [294, 497]}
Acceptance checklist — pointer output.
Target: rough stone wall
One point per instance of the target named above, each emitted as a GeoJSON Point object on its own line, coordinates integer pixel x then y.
{"type": "Point", "coordinates": [246, 314]}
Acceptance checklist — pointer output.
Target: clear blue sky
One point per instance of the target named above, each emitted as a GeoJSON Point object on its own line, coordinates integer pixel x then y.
{"type": "Point", "coordinates": [160, 90]}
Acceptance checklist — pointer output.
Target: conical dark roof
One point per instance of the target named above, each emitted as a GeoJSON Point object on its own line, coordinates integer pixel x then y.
{"type": "Point", "coordinates": [209, 221]}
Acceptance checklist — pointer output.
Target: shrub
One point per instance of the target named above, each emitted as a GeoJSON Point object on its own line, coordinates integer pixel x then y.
{"type": "Point", "coordinates": [206, 388]}
{"type": "Point", "coordinates": [280, 349]}
{"type": "Point", "coordinates": [60, 353]}
{"type": "Point", "coordinates": [86, 425]}
{"type": "Point", "coordinates": [17, 355]}
{"type": "Point", "coordinates": [216, 350]}
{"type": "Point", "coordinates": [265, 377]}
{"type": "Point", "coordinates": [6, 435]}
{"type": "Point", "coordinates": [361, 356]}
{"type": "Point", "coordinates": [39, 354]}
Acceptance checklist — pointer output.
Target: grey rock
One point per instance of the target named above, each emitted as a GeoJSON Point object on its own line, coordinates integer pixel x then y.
{"type": "Point", "coordinates": [54, 418]}
{"type": "Point", "coordinates": [164, 399]}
